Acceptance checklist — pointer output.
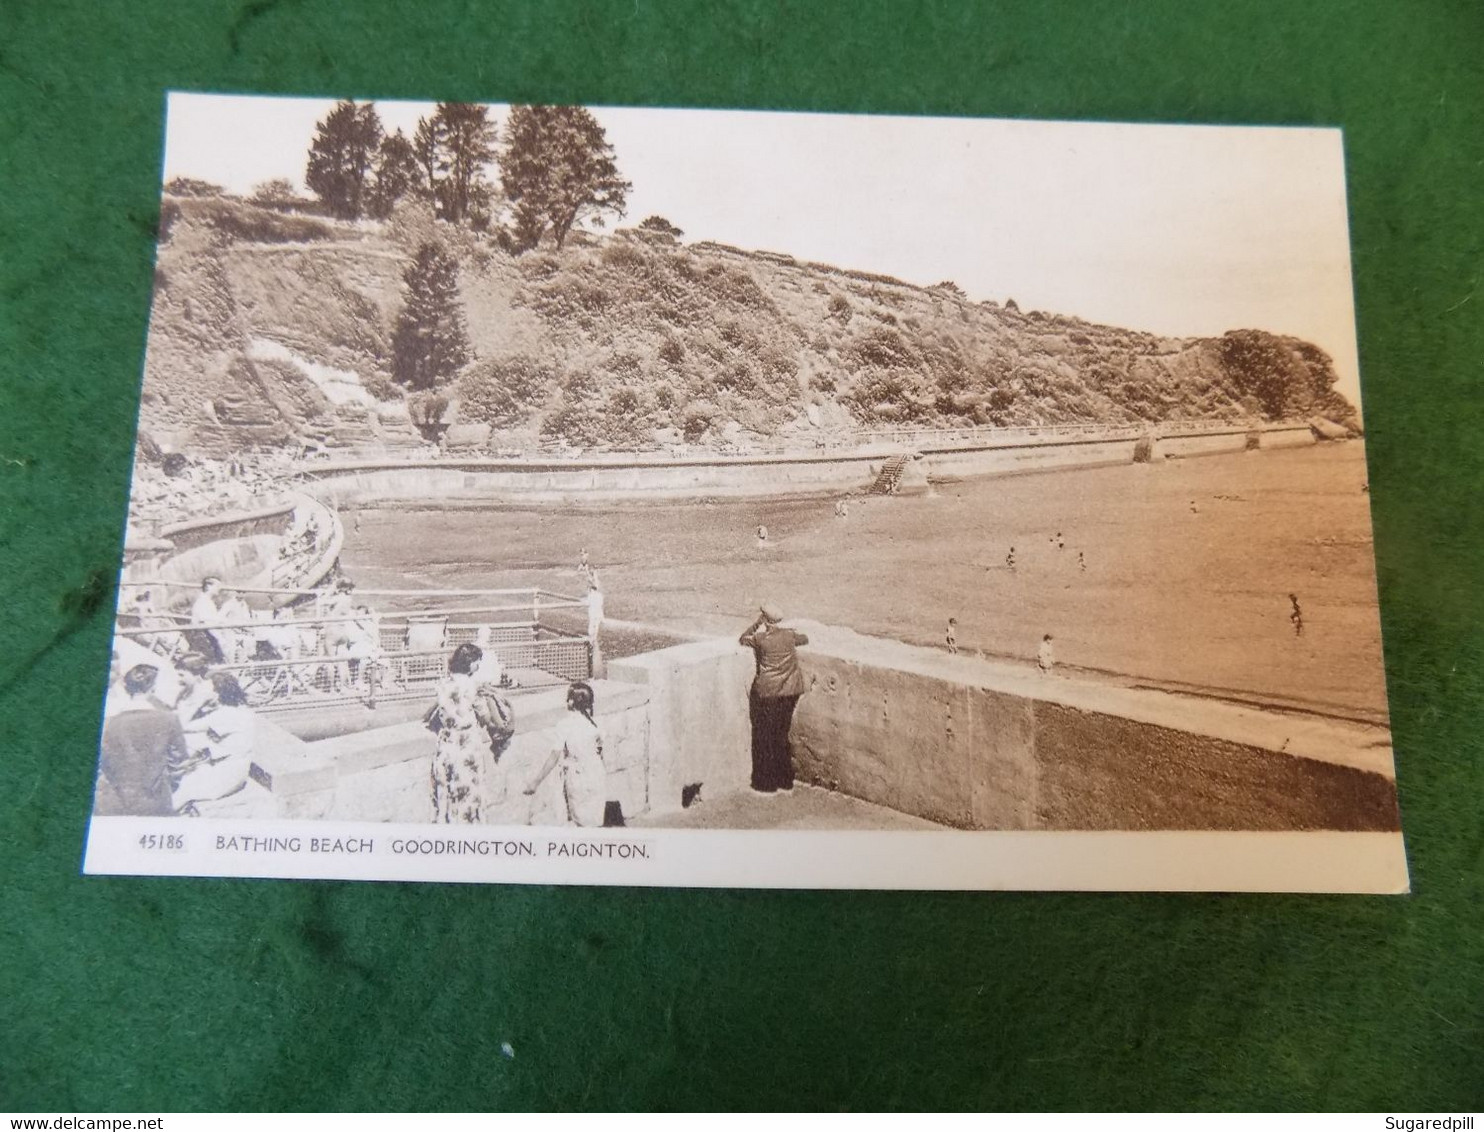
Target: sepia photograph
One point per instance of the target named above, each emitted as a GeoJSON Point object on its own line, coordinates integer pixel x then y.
{"type": "Point", "coordinates": [605, 495]}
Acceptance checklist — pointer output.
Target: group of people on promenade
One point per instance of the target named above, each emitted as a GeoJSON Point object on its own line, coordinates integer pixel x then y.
{"type": "Point", "coordinates": [223, 628]}
{"type": "Point", "coordinates": [178, 738]}
{"type": "Point", "coordinates": [179, 734]}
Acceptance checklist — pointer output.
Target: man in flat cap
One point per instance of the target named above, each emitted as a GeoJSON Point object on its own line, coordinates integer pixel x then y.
{"type": "Point", "coordinates": [775, 692]}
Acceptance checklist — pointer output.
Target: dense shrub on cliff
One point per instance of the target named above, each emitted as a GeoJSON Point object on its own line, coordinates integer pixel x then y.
{"type": "Point", "coordinates": [1287, 377]}
{"type": "Point", "coordinates": [610, 341]}
{"type": "Point", "coordinates": [250, 224]}
{"type": "Point", "coordinates": [169, 214]}
{"type": "Point", "coordinates": [502, 391]}
{"type": "Point", "coordinates": [192, 187]}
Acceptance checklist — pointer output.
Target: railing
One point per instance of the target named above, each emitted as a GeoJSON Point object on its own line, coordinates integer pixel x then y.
{"type": "Point", "coordinates": [284, 663]}
{"type": "Point", "coordinates": [981, 434]}
{"type": "Point", "coordinates": [383, 677]}
{"type": "Point", "coordinates": [826, 441]}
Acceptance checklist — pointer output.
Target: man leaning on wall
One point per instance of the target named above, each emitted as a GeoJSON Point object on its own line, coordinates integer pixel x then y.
{"type": "Point", "coordinates": [775, 693]}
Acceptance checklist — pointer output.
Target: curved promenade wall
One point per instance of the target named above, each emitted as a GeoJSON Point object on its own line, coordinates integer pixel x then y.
{"type": "Point", "coordinates": [195, 533]}
{"type": "Point", "coordinates": [473, 481]}
{"type": "Point", "coordinates": [241, 548]}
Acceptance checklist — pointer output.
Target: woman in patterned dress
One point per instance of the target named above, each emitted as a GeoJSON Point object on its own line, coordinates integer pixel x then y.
{"type": "Point", "coordinates": [470, 718]}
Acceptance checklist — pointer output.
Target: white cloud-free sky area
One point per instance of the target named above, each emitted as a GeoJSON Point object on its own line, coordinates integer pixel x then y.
{"type": "Point", "coordinates": [1179, 230]}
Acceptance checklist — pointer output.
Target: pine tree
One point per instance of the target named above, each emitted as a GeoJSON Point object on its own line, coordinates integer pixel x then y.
{"type": "Point", "coordinates": [468, 148]}
{"type": "Point", "coordinates": [429, 345]}
{"type": "Point", "coordinates": [557, 168]}
{"type": "Point", "coordinates": [426, 142]}
{"type": "Point", "coordinates": [452, 150]}
{"type": "Point", "coordinates": [398, 174]}
{"type": "Point", "coordinates": [341, 156]}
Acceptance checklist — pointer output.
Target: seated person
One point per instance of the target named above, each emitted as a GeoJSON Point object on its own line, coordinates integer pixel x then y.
{"type": "Point", "coordinates": [141, 739]}
{"type": "Point", "coordinates": [167, 687]}
{"type": "Point", "coordinates": [229, 731]}
{"type": "Point", "coordinates": [276, 640]}
{"type": "Point", "coordinates": [362, 643]}
{"type": "Point", "coordinates": [197, 695]}
{"type": "Point", "coordinates": [151, 617]}
{"type": "Point", "coordinates": [204, 612]}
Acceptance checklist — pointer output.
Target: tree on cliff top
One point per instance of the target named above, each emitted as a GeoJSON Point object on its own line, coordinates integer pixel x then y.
{"type": "Point", "coordinates": [659, 226]}
{"type": "Point", "coordinates": [345, 146]}
{"type": "Point", "coordinates": [398, 174]}
{"type": "Point", "coordinates": [452, 150]}
{"type": "Point", "coordinates": [468, 148]}
{"type": "Point", "coordinates": [278, 194]}
{"type": "Point", "coordinates": [429, 345]}
{"type": "Point", "coordinates": [557, 168]}
{"type": "Point", "coordinates": [1285, 376]}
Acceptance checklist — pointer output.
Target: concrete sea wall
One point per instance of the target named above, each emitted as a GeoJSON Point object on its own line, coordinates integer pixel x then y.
{"type": "Point", "coordinates": [446, 482]}
{"type": "Point", "coordinates": [472, 481]}
{"type": "Point", "coordinates": [959, 741]}
{"type": "Point", "coordinates": [699, 730]}
{"type": "Point", "coordinates": [962, 463]}
{"type": "Point", "coordinates": [985, 745]}
{"type": "Point", "coordinates": [194, 533]}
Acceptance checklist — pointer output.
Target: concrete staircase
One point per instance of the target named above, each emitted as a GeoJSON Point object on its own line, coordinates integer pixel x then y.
{"type": "Point", "coordinates": [352, 429]}
{"type": "Point", "coordinates": [396, 431]}
{"type": "Point", "coordinates": [890, 476]}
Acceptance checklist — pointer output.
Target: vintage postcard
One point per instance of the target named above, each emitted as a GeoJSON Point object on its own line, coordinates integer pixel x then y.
{"type": "Point", "coordinates": [677, 497]}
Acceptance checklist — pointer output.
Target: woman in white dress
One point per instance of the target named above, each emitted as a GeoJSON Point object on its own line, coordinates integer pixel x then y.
{"type": "Point", "coordinates": [230, 733]}
{"type": "Point", "coordinates": [578, 749]}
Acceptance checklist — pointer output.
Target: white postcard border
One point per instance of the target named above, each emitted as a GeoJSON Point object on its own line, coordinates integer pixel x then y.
{"type": "Point", "coordinates": [1307, 862]}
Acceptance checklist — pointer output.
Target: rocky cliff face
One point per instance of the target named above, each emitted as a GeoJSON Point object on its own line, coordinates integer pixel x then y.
{"type": "Point", "coordinates": [327, 303]}
{"type": "Point", "coordinates": [268, 333]}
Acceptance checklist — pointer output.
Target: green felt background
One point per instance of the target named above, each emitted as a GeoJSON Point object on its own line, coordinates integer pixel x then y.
{"type": "Point", "coordinates": [124, 994]}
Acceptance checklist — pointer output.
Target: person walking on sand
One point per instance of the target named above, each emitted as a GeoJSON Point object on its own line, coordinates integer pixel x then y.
{"type": "Point", "coordinates": [775, 693]}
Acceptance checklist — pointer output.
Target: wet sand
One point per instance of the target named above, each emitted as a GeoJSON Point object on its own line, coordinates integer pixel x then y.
{"type": "Point", "coordinates": [1177, 574]}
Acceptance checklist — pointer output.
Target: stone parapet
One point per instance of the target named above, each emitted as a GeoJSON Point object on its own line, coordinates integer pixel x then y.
{"type": "Point", "coordinates": [988, 745]}
{"type": "Point", "coordinates": [453, 481]}
{"type": "Point", "coordinates": [956, 740]}
{"type": "Point", "coordinates": [699, 729]}
{"type": "Point", "coordinates": [382, 773]}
